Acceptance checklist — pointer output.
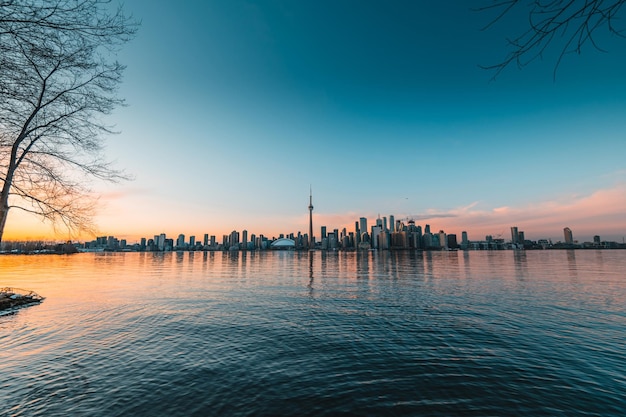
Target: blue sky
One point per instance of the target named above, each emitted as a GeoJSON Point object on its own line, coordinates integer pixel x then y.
{"type": "Point", "coordinates": [236, 107]}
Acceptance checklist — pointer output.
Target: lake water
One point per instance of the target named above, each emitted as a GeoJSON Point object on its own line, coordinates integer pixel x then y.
{"type": "Point", "coordinates": [316, 334]}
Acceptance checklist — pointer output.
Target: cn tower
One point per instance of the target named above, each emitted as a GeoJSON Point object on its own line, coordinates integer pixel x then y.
{"type": "Point", "coordinates": [311, 239]}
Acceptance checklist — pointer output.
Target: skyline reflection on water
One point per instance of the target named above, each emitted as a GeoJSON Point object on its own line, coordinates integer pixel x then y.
{"type": "Point", "coordinates": [284, 333]}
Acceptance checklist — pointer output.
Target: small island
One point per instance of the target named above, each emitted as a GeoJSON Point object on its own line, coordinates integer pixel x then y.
{"type": "Point", "coordinates": [16, 297]}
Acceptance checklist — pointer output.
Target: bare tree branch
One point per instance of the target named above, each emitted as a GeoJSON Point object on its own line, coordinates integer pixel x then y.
{"type": "Point", "coordinates": [568, 25]}
{"type": "Point", "coordinates": [58, 77]}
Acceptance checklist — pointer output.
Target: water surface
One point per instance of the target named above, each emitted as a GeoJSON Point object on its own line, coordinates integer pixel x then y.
{"type": "Point", "coordinates": [298, 333]}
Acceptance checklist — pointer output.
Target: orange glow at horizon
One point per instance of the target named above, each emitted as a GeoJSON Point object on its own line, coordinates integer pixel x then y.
{"type": "Point", "coordinates": [600, 213]}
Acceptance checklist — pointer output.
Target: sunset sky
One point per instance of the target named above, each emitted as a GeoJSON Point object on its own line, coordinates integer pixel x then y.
{"type": "Point", "coordinates": [236, 108]}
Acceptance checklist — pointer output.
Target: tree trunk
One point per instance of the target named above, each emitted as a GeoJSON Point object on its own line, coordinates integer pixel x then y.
{"type": "Point", "coordinates": [4, 212]}
{"type": "Point", "coordinates": [6, 189]}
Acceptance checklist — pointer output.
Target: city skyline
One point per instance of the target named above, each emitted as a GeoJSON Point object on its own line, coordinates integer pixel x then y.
{"type": "Point", "coordinates": [360, 230]}
{"type": "Point", "coordinates": [385, 233]}
{"type": "Point", "coordinates": [237, 108]}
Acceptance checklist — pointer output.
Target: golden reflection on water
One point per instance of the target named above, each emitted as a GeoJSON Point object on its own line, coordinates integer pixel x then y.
{"type": "Point", "coordinates": [227, 311]}
{"type": "Point", "coordinates": [109, 278]}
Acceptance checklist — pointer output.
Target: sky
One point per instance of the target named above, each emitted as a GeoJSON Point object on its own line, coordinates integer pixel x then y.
{"type": "Point", "coordinates": [237, 109]}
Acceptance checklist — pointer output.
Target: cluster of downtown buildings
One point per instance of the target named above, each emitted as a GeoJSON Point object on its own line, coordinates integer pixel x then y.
{"type": "Point", "coordinates": [385, 234]}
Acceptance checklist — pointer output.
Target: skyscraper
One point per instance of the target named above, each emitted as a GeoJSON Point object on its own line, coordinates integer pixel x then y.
{"type": "Point", "coordinates": [161, 241]}
{"type": "Point", "coordinates": [234, 239]}
{"type": "Point", "coordinates": [569, 238]}
{"type": "Point", "coordinates": [363, 225]}
{"type": "Point", "coordinates": [452, 243]}
{"type": "Point", "coordinates": [443, 239]}
{"type": "Point", "coordinates": [514, 234]}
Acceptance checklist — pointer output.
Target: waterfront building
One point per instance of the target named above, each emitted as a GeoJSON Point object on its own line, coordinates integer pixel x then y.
{"type": "Point", "coordinates": [161, 241]}
{"type": "Point", "coordinates": [112, 243]}
{"type": "Point", "coordinates": [399, 240]}
{"type": "Point", "coordinates": [192, 241]}
{"type": "Point", "coordinates": [428, 240]}
{"type": "Point", "coordinates": [384, 240]}
{"type": "Point", "coordinates": [332, 241]}
{"type": "Point", "coordinates": [392, 224]}
{"type": "Point", "coordinates": [569, 237]}
{"type": "Point", "coordinates": [443, 240]}
{"type": "Point", "coordinates": [363, 225]}
{"type": "Point", "coordinates": [180, 242]}
{"type": "Point", "coordinates": [234, 238]}
{"type": "Point", "coordinates": [374, 236]}
{"type": "Point", "coordinates": [452, 243]}
{"type": "Point", "coordinates": [244, 240]}
{"type": "Point", "coordinates": [206, 239]}
{"type": "Point", "coordinates": [514, 235]}
{"type": "Point", "coordinates": [253, 241]}
{"type": "Point", "coordinates": [544, 243]}
{"type": "Point", "coordinates": [435, 244]}
{"type": "Point", "coordinates": [416, 239]}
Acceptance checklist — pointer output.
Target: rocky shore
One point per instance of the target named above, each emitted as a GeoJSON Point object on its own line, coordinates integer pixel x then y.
{"type": "Point", "coordinates": [16, 297]}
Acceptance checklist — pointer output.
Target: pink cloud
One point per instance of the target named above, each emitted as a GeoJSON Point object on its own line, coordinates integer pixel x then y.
{"type": "Point", "coordinates": [602, 212]}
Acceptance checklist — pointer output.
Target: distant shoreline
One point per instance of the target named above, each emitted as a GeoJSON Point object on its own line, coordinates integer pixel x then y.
{"type": "Point", "coordinates": [61, 252]}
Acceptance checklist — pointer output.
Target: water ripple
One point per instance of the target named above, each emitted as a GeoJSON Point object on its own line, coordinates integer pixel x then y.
{"type": "Point", "coordinates": [265, 334]}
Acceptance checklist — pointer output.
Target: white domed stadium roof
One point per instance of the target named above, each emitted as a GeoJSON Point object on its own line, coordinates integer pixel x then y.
{"type": "Point", "coordinates": [283, 243]}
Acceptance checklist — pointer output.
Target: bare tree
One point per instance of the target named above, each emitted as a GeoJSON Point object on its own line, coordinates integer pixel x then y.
{"type": "Point", "coordinates": [572, 23]}
{"type": "Point", "coordinates": [58, 81]}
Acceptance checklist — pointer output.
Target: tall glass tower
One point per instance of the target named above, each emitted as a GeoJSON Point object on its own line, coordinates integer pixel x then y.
{"type": "Point", "coordinates": [569, 237]}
